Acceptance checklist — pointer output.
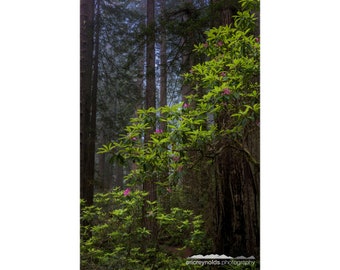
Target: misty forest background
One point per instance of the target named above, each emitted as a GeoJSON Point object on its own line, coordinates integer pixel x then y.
{"type": "Point", "coordinates": [170, 122]}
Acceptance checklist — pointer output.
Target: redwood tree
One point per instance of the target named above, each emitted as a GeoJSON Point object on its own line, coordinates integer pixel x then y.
{"type": "Point", "coordinates": [150, 101]}
{"type": "Point", "coordinates": [87, 101]}
{"type": "Point", "coordinates": [237, 208]}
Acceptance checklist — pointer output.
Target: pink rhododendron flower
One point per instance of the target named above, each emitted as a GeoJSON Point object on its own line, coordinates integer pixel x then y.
{"type": "Point", "coordinates": [134, 139]}
{"type": "Point", "coordinates": [159, 131]}
{"type": "Point", "coordinates": [127, 192]}
{"type": "Point", "coordinates": [226, 91]}
{"type": "Point", "coordinates": [175, 158]}
{"type": "Point", "coordinates": [185, 105]}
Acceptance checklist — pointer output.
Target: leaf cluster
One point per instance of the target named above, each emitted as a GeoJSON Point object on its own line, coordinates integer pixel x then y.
{"type": "Point", "coordinates": [166, 144]}
{"type": "Point", "coordinates": [225, 104]}
{"type": "Point", "coordinates": [113, 237]}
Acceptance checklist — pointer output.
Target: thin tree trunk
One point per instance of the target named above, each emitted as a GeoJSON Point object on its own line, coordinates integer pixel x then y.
{"type": "Point", "coordinates": [150, 97]}
{"type": "Point", "coordinates": [119, 173]}
{"type": "Point", "coordinates": [86, 61]}
{"type": "Point", "coordinates": [163, 59]}
{"type": "Point", "coordinates": [187, 58]}
{"type": "Point", "coordinates": [150, 101]}
{"type": "Point", "coordinates": [93, 124]}
{"type": "Point", "coordinates": [102, 175]}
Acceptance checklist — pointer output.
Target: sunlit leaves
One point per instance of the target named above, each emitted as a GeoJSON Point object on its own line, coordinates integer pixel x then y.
{"type": "Point", "coordinates": [164, 144]}
{"type": "Point", "coordinates": [227, 86]}
{"type": "Point", "coordinates": [106, 148]}
{"type": "Point", "coordinates": [115, 234]}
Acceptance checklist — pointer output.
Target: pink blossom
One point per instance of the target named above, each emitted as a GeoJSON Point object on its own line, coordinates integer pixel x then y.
{"type": "Point", "coordinates": [226, 91]}
{"type": "Point", "coordinates": [220, 44]}
{"type": "Point", "coordinates": [127, 192]}
{"type": "Point", "coordinates": [134, 139]}
{"type": "Point", "coordinates": [175, 158]}
{"type": "Point", "coordinates": [223, 74]}
{"type": "Point", "coordinates": [159, 131]}
{"type": "Point", "coordinates": [185, 105]}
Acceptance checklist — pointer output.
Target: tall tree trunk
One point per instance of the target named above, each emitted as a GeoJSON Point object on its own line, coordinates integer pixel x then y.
{"type": "Point", "coordinates": [150, 92]}
{"type": "Point", "coordinates": [94, 91]}
{"type": "Point", "coordinates": [187, 44]}
{"type": "Point", "coordinates": [236, 208]}
{"type": "Point", "coordinates": [86, 62]}
{"type": "Point", "coordinates": [163, 64]}
{"type": "Point", "coordinates": [222, 12]}
{"type": "Point", "coordinates": [150, 101]}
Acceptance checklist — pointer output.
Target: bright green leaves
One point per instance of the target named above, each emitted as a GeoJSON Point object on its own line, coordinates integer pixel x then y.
{"type": "Point", "coordinates": [179, 224]}
{"type": "Point", "coordinates": [114, 235]}
{"type": "Point", "coordinates": [106, 148]}
{"type": "Point", "coordinates": [245, 20]}
{"type": "Point", "coordinates": [166, 143]}
{"type": "Point", "coordinates": [225, 103]}
{"type": "Point", "coordinates": [252, 5]}
{"type": "Point", "coordinates": [227, 83]}
{"type": "Point", "coordinates": [247, 111]}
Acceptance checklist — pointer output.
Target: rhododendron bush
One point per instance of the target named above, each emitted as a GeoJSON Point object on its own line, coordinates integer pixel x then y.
{"type": "Point", "coordinates": [224, 103]}
{"type": "Point", "coordinates": [226, 85]}
{"type": "Point", "coordinates": [113, 236]}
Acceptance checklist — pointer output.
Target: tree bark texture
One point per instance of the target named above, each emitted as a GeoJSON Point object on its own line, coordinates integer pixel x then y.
{"type": "Point", "coordinates": [163, 65]}
{"type": "Point", "coordinates": [237, 205]}
{"type": "Point", "coordinates": [163, 60]}
{"type": "Point", "coordinates": [150, 92]}
{"type": "Point", "coordinates": [187, 44]}
{"type": "Point", "coordinates": [236, 208]}
{"type": "Point", "coordinates": [223, 12]}
{"type": "Point", "coordinates": [150, 101]}
{"type": "Point", "coordinates": [86, 100]}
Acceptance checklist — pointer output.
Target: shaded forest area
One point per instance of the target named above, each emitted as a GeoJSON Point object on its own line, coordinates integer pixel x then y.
{"type": "Point", "coordinates": [170, 121]}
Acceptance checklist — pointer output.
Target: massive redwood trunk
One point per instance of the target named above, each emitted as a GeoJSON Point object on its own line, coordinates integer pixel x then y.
{"type": "Point", "coordinates": [237, 205]}
{"type": "Point", "coordinates": [236, 209]}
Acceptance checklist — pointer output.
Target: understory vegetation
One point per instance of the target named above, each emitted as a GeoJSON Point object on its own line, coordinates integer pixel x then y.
{"type": "Point", "coordinates": [176, 197]}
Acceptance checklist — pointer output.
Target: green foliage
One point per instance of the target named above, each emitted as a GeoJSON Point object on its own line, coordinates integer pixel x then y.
{"type": "Point", "coordinates": [223, 109]}
{"type": "Point", "coordinates": [112, 235]}
{"type": "Point", "coordinates": [251, 5]}
{"type": "Point", "coordinates": [224, 106]}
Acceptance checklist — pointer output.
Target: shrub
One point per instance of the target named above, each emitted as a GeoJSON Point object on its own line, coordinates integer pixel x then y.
{"type": "Point", "coordinates": [112, 235]}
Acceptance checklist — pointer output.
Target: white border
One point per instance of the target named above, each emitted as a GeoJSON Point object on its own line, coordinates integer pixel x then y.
{"type": "Point", "coordinates": [39, 134]}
